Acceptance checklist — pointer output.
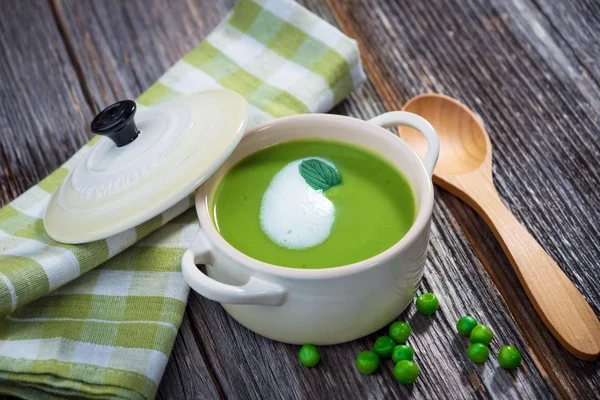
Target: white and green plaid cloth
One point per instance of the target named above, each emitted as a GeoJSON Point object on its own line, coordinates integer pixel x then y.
{"type": "Point", "coordinates": [99, 320]}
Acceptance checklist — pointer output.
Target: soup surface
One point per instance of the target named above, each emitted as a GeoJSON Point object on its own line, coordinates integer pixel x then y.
{"type": "Point", "coordinates": [313, 203]}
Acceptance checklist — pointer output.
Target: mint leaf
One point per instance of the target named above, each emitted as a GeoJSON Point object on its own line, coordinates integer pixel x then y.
{"type": "Point", "coordinates": [319, 175]}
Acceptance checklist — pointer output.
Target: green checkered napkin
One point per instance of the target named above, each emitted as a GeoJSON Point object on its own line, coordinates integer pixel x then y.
{"type": "Point", "coordinates": [99, 320]}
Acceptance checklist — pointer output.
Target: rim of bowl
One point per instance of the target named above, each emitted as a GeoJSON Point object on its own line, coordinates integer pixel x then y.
{"type": "Point", "coordinates": [420, 223]}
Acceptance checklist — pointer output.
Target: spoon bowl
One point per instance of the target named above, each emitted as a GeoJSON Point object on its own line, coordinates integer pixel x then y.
{"type": "Point", "coordinates": [464, 168]}
{"type": "Point", "coordinates": [462, 136]}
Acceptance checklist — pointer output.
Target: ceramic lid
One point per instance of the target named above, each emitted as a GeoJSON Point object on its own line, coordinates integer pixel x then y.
{"type": "Point", "coordinates": [144, 166]}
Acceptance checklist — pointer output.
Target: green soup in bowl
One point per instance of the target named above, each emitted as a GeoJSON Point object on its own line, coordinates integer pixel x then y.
{"type": "Point", "coordinates": [357, 244]}
{"type": "Point", "coordinates": [313, 203]}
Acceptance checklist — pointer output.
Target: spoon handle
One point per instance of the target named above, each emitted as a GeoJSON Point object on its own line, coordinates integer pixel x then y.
{"type": "Point", "coordinates": [562, 307]}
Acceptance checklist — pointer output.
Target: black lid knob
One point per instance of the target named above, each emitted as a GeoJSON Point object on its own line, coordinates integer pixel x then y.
{"type": "Point", "coordinates": [116, 122]}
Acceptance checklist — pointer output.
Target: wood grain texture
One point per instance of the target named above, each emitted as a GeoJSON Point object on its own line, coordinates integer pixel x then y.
{"type": "Point", "coordinates": [42, 107]}
{"type": "Point", "coordinates": [187, 375]}
{"type": "Point", "coordinates": [542, 128]}
{"type": "Point", "coordinates": [564, 35]}
{"type": "Point", "coordinates": [122, 48]}
{"type": "Point", "coordinates": [575, 29]}
{"type": "Point", "coordinates": [537, 114]}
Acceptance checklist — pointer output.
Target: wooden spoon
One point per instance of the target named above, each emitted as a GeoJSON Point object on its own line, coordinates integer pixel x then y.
{"type": "Point", "coordinates": [464, 169]}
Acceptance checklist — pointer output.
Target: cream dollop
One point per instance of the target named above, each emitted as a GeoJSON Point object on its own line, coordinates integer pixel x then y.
{"type": "Point", "coordinates": [292, 213]}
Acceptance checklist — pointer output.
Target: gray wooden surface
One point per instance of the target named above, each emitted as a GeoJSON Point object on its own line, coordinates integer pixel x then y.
{"type": "Point", "coordinates": [529, 68]}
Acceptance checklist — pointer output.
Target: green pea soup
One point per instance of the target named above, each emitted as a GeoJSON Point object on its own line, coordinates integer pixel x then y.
{"type": "Point", "coordinates": [367, 210]}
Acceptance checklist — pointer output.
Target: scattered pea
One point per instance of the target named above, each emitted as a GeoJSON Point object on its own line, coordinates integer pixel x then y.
{"type": "Point", "coordinates": [309, 355]}
{"type": "Point", "coordinates": [427, 303]}
{"type": "Point", "coordinates": [367, 362]}
{"type": "Point", "coordinates": [400, 331]}
{"type": "Point", "coordinates": [509, 357]}
{"type": "Point", "coordinates": [478, 352]}
{"type": "Point", "coordinates": [402, 352]}
{"type": "Point", "coordinates": [465, 325]}
{"type": "Point", "coordinates": [481, 334]}
{"type": "Point", "coordinates": [383, 346]}
{"type": "Point", "coordinates": [406, 371]}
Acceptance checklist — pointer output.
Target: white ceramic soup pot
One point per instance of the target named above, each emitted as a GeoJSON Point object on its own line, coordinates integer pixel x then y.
{"type": "Point", "coordinates": [319, 306]}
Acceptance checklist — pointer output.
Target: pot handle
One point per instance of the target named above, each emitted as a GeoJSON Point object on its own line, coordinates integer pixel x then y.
{"type": "Point", "coordinates": [419, 123]}
{"type": "Point", "coordinates": [255, 291]}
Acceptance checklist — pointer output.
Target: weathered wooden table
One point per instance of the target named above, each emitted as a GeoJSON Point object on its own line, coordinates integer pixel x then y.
{"type": "Point", "coordinates": [530, 68]}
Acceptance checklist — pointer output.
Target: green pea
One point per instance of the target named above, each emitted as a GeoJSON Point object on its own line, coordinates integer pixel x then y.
{"type": "Point", "coordinates": [481, 334]}
{"type": "Point", "coordinates": [309, 355]}
{"type": "Point", "coordinates": [406, 371]}
{"type": "Point", "coordinates": [383, 346]}
{"type": "Point", "coordinates": [509, 357]}
{"type": "Point", "coordinates": [427, 303]}
{"type": "Point", "coordinates": [400, 331]}
{"type": "Point", "coordinates": [465, 325]}
{"type": "Point", "coordinates": [478, 352]}
{"type": "Point", "coordinates": [402, 352]}
{"type": "Point", "coordinates": [367, 362]}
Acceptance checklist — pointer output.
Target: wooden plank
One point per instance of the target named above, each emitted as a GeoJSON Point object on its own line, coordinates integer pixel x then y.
{"type": "Point", "coordinates": [43, 111]}
{"type": "Point", "coordinates": [122, 48]}
{"type": "Point", "coordinates": [564, 34]}
{"type": "Point", "coordinates": [187, 375]}
{"type": "Point", "coordinates": [576, 29]}
{"type": "Point", "coordinates": [544, 141]}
